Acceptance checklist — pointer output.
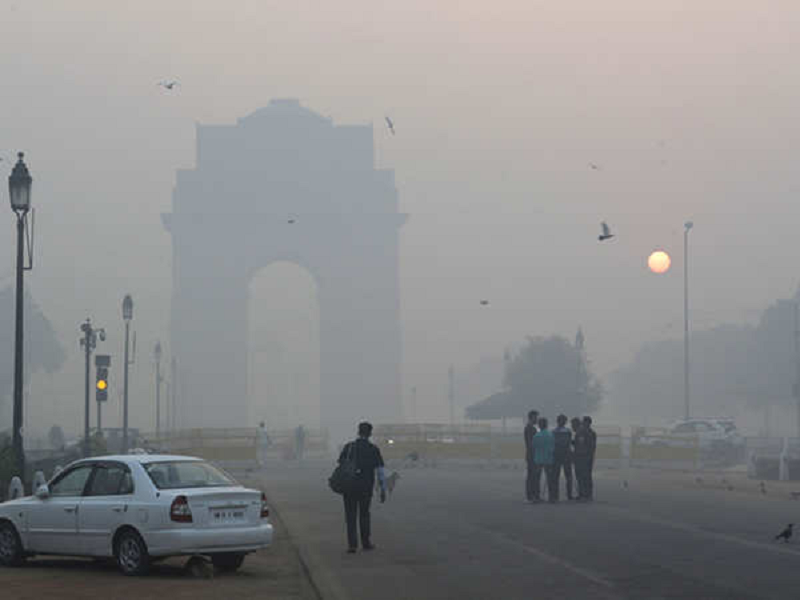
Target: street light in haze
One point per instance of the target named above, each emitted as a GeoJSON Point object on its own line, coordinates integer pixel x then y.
{"type": "Point", "coordinates": [127, 316]}
{"type": "Point", "coordinates": [19, 188]}
{"type": "Point", "coordinates": [686, 228]}
{"type": "Point", "coordinates": [157, 355]}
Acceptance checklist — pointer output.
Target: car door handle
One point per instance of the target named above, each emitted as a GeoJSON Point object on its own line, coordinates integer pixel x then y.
{"type": "Point", "coordinates": [71, 508]}
{"type": "Point", "coordinates": [118, 509]}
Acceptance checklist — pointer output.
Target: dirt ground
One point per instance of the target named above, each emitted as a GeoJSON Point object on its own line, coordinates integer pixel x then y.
{"type": "Point", "coordinates": [275, 573]}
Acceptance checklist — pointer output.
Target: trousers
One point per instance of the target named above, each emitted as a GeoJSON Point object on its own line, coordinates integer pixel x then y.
{"type": "Point", "coordinates": [549, 474]}
{"type": "Point", "coordinates": [563, 463]}
{"type": "Point", "coordinates": [356, 508]}
{"type": "Point", "coordinates": [531, 488]}
{"type": "Point", "coordinates": [583, 473]}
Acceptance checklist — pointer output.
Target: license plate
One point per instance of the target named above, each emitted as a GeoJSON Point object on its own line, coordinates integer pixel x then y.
{"type": "Point", "coordinates": [227, 516]}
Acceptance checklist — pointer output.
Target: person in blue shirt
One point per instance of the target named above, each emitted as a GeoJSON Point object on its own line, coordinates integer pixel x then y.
{"type": "Point", "coordinates": [543, 450]}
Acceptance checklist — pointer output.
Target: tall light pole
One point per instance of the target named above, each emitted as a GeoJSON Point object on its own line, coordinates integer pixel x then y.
{"type": "Point", "coordinates": [157, 355]}
{"type": "Point", "coordinates": [88, 343]}
{"type": "Point", "coordinates": [173, 399]}
{"type": "Point", "coordinates": [686, 228]}
{"type": "Point", "coordinates": [19, 188]}
{"type": "Point", "coordinates": [127, 316]}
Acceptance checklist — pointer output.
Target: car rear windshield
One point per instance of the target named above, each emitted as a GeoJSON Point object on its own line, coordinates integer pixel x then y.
{"type": "Point", "coordinates": [172, 475]}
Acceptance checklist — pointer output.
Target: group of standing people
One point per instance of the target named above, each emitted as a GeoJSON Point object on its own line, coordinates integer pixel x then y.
{"type": "Point", "coordinates": [564, 449]}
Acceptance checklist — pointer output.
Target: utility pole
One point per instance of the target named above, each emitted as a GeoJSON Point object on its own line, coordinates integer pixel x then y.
{"type": "Point", "coordinates": [88, 343]}
{"type": "Point", "coordinates": [451, 393]}
{"type": "Point", "coordinates": [797, 362]}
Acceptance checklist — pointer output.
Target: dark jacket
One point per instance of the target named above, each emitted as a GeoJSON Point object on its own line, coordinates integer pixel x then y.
{"type": "Point", "coordinates": [563, 450]}
{"type": "Point", "coordinates": [585, 443]}
{"type": "Point", "coordinates": [530, 431]}
{"type": "Point", "coordinates": [368, 458]}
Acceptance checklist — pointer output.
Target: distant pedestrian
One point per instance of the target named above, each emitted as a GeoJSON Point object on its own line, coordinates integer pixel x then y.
{"type": "Point", "coordinates": [543, 449]}
{"type": "Point", "coordinates": [575, 424]}
{"type": "Point", "coordinates": [368, 461]}
{"type": "Point", "coordinates": [530, 431]}
{"type": "Point", "coordinates": [264, 442]}
{"type": "Point", "coordinates": [300, 442]}
{"type": "Point", "coordinates": [583, 452]}
{"type": "Point", "coordinates": [587, 426]}
{"type": "Point", "coordinates": [562, 457]}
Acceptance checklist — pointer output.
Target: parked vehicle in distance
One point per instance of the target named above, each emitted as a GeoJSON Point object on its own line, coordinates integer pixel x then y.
{"type": "Point", "coordinates": [137, 509]}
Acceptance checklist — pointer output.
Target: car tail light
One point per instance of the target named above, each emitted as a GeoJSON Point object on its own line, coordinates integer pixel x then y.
{"type": "Point", "coordinates": [180, 511]}
{"type": "Point", "coordinates": [264, 506]}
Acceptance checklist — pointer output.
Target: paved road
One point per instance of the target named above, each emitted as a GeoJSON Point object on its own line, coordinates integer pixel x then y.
{"type": "Point", "coordinates": [468, 535]}
{"type": "Point", "coordinates": [274, 573]}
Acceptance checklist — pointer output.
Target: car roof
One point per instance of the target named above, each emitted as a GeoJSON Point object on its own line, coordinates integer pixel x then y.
{"type": "Point", "coordinates": [142, 459]}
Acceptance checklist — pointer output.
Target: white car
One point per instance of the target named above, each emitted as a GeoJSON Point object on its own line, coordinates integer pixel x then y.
{"type": "Point", "coordinates": [137, 509]}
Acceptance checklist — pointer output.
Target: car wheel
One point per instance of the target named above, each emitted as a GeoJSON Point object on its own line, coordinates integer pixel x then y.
{"type": "Point", "coordinates": [11, 552]}
{"type": "Point", "coordinates": [132, 556]}
{"type": "Point", "coordinates": [228, 562]}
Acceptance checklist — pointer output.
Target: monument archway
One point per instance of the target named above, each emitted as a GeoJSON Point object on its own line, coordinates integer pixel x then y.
{"type": "Point", "coordinates": [286, 184]}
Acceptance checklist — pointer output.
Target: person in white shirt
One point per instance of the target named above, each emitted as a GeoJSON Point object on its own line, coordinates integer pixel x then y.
{"type": "Point", "coordinates": [263, 444]}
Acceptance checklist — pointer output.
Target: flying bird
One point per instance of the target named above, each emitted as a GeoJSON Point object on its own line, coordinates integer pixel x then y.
{"type": "Point", "coordinates": [484, 303]}
{"type": "Point", "coordinates": [389, 124]}
{"type": "Point", "coordinates": [595, 167]}
{"type": "Point", "coordinates": [168, 85]}
{"type": "Point", "coordinates": [786, 534]}
{"type": "Point", "coordinates": [605, 232]}
{"type": "Point", "coordinates": [291, 221]}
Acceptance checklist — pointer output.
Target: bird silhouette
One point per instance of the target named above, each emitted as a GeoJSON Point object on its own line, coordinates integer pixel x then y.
{"type": "Point", "coordinates": [605, 232]}
{"type": "Point", "coordinates": [389, 124]}
{"type": "Point", "coordinates": [168, 85]}
{"type": "Point", "coordinates": [595, 167]}
{"type": "Point", "coordinates": [291, 221]}
{"type": "Point", "coordinates": [786, 534]}
{"type": "Point", "coordinates": [484, 303]}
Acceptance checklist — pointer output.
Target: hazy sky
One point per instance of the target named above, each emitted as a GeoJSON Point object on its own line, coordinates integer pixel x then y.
{"type": "Point", "coordinates": [688, 107]}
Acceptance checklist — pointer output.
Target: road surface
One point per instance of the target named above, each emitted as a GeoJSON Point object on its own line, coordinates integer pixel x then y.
{"type": "Point", "coordinates": [461, 534]}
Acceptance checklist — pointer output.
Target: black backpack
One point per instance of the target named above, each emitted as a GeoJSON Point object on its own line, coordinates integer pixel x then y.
{"type": "Point", "coordinates": [343, 479]}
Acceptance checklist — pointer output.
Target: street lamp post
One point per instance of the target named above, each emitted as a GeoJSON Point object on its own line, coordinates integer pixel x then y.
{"type": "Point", "coordinates": [89, 343]}
{"type": "Point", "coordinates": [686, 228]}
{"type": "Point", "coordinates": [127, 315]}
{"type": "Point", "coordinates": [19, 188]}
{"type": "Point", "coordinates": [157, 354]}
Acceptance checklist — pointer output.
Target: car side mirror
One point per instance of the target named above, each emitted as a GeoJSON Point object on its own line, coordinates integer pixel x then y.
{"type": "Point", "coordinates": [43, 492]}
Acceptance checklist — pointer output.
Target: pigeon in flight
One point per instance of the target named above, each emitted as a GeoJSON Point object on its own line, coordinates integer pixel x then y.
{"type": "Point", "coordinates": [605, 232]}
{"type": "Point", "coordinates": [389, 124]}
{"type": "Point", "coordinates": [168, 85]}
{"type": "Point", "coordinates": [786, 534]}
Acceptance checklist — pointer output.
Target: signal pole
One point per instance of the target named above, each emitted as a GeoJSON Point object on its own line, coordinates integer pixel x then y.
{"type": "Point", "coordinates": [88, 343]}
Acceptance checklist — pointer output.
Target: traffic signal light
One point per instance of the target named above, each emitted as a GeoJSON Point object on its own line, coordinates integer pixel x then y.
{"type": "Point", "coordinates": [102, 362]}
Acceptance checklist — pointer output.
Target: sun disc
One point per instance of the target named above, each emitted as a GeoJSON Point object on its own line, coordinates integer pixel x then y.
{"type": "Point", "coordinates": [659, 262]}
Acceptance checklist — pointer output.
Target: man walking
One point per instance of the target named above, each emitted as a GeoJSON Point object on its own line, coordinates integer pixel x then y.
{"type": "Point", "coordinates": [543, 448]}
{"type": "Point", "coordinates": [530, 431]}
{"type": "Point", "coordinates": [562, 456]}
{"type": "Point", "coordinates": [368, 460]}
